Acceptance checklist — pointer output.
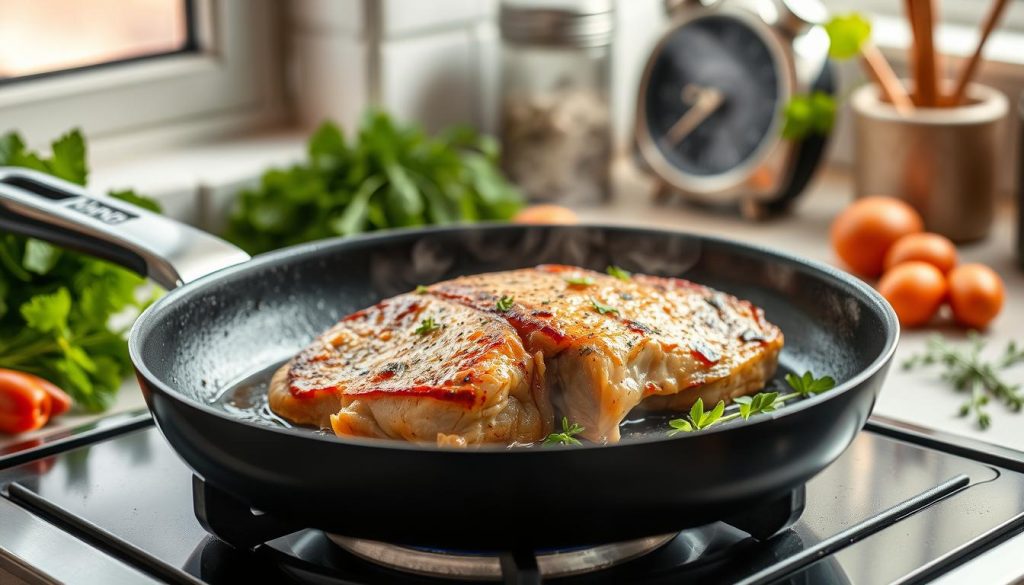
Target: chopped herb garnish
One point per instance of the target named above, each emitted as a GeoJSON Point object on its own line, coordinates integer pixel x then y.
{"type": "Point", "coordinates": [421, 290]}
{"type": "Point", "coordinates": [504, 303]}
{"type": "Point", "coordinates": [617, 272]}
{"type": "Point", "coordinates": [747, 406]}
{"type": "Point", "coordinates": [579, 280]}
{"type": "Point", "coordinates": [567, 436]}
{"type": "Point", "coordinates": [603, 309]}
{"type": "Point", "coordinates": [427, 325]}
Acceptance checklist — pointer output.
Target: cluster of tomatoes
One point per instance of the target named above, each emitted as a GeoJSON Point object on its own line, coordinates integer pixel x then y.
{"type": "Point", "coordinates": [882, 236]}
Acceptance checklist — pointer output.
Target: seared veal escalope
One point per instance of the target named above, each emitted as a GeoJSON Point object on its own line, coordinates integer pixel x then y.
{"type": "Point", "coordinates": [563, 339]}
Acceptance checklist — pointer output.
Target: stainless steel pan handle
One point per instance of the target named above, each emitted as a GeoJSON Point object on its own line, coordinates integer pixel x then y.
{"type": "Point", "coordinates": [169, 252]}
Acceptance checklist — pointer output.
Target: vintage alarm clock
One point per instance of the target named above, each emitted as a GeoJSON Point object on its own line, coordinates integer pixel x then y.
{"type": "Point", "coordinates": [712, 99]}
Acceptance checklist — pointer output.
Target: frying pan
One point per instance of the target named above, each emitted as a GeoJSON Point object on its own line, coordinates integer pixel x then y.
{"type": "Point", "coordinates": [227, 318]}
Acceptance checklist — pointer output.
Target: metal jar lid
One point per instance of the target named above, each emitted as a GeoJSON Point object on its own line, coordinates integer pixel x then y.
{"type": "Point", "coordinates": [585, 23]}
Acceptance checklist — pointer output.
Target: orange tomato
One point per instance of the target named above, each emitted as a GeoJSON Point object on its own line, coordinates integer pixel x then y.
{"type": "Point", "coordinates": [546, 213]}
{"type": "Point", "coordinates": [915, 290]}
{"type": "Point", "coordinates": [976, 293]}
{"type": "Point", "coordinates": [864, 231]}
{"type": "Point", "coordinates": [927, 247]}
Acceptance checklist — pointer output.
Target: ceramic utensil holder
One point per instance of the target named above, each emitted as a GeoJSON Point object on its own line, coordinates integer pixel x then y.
{"type": "Point", "coordinates": [943, 161]}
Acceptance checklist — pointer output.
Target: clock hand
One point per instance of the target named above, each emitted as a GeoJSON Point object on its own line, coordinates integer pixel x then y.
{"type": "Point", "coordinates": [705, 101]}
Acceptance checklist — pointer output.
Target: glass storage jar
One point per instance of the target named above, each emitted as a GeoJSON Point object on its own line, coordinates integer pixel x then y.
{"type": "Point", "coordinates": [555, 118]}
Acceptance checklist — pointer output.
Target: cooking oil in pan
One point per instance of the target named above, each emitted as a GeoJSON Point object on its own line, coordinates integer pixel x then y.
{"type": "Point", "coordinates": [247, 400]}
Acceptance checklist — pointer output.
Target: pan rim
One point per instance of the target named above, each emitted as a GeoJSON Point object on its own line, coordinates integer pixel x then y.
{"type": "Point", "coordinates": [837, 276]}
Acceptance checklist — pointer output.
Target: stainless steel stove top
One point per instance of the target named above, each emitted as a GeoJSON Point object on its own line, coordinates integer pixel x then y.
{"type": "Point", "coordinates": [896, 507]}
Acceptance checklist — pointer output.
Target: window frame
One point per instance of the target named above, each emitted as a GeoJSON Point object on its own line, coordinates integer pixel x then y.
{"type": "Point", "coordinates": [233, 82]}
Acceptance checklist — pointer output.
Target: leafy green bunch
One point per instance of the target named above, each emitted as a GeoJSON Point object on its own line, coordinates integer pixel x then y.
{"type": "Point", "coordinates": [55, 305]}
{"type": "Point", "coordinates": [389, 176]}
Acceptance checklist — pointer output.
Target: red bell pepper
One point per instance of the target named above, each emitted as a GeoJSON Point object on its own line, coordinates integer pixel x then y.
{"type": "Point", "coordinates": [28, 401]}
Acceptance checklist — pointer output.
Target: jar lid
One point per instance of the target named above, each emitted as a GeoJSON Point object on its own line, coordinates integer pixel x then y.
{"type": "Point", "coordinates": [585, 23]}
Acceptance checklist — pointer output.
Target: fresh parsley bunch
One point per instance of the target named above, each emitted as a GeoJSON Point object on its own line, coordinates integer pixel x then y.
{"type": "Point", "coordinates": [389, 176]}
{"type": "Point", "coordinates": [55, 305]}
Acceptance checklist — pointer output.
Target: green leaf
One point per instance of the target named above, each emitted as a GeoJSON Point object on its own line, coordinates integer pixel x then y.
{"type": "Point", "coordinates": [709, 418]}
{"type": "Point", "coordinates": [807, 115]}
{"type": "Point", "coordinates": [603, 309]}
{"type": "Point", "coordinates": [47, 312]}
{"type": "Point", "coordinates": [11, 148]}
{"type": "Point", "coordinates": [679, 425]}
{"type": "Point", "coordinates": [807, 384]}
{"type": "Point", "coordinates": [580, 281]}
{"type": "Point", "coordinates": [421, 290]}
{"type": "Point", "coordinates": [353, 219]}
{"type": "Point", "coordinates": [68, 160]}
{"type": "Point", "coordinates": [40, 257]}
{"type": "Point", "coordinates": [504, 303]}
{"type": "Point", "coordinates": [402, 185]}
{"type": "Point", "coordinates": [428, 325]}
{"type": "Point", "coordinates": [697, 411]}
{"type": "Point", "coordinates": [619, 273]}
{"type": "Point", "coordinates": [846, 34]}
{"type": "Point", "coordinates": [567, 436]}
{"type": "Point", "coordinates": [327, 146]}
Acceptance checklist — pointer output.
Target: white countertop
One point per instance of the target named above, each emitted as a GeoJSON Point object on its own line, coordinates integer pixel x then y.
{"type": "Point", "coordinates": [917, 397]}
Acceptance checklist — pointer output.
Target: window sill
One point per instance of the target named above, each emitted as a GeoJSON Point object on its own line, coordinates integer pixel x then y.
{"type": "Point", "coordinates": [195, 183]}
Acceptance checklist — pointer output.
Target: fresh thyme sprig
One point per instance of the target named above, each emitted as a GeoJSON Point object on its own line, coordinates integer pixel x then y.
{"type": "Point", "coordinates": [427, 325]}
{"type": "Point", "coordinates": [966, 371]}
{"type": "Point", "coordinates": [567, 436]}
{"type": "Point", "coordinates": [504, 303]}
{"type": "Point", "coordinates": [747, 406]}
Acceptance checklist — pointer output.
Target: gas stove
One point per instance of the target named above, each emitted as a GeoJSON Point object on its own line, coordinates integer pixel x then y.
{"type": "Point", "coordinates": [114, 504]}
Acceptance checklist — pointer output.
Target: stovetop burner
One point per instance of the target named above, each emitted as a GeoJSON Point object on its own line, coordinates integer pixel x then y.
{"type": "Point", "coordinates": [469, 565]}
{"type": "Point", "coordinates": [886, 511]}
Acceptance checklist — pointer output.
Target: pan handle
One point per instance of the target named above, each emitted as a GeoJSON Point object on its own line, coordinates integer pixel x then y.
{"type": "Point", "coordinates": [169, 252]}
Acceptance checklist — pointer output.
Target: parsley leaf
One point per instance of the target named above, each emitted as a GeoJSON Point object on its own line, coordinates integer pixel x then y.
{"type": "Point", "coordinates": [603, 309]}
{"type": "Point", "coordinates": [617, 272]}
{"type": "Point", "coordinates": [421, 289]}
{"type": "Point", "coordinates": [759, 403]}
{"type": "Point", "coordinates": [567, 436]}
{"type": "Point", "coordinates": [581, 281]}
{"type": "Point", "coordinates": [427, 325]}
{"type": "Point", "coordinates": [385, 175]}
{"type": "Point", "coordinates": [504, 303]}
{"type": "Point", "coordinates": [56, 305]}
{"type": "Point", "coordinates": [808, 385]}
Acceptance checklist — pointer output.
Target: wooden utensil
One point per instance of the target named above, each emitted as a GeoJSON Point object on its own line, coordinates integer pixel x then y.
{"type": "Point", "coordinates": [971, 66]}
{"type": "Point", "coordinates": [886, 78]}
{"type": "Point", "coordinates": [922, 13]}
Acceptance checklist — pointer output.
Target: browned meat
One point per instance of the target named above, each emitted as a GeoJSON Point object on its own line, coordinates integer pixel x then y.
{"type": "Point", "coordinates": [382, 372]}
{"type": "Point", "coordinates": [607, 345]}
{"type": "Point", "coordinates": [611, 344]}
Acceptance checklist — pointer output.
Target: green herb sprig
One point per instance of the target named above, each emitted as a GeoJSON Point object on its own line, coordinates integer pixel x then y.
{"type": "Point", "coordinates": [421, 289]}
{"type": "Point", "coordinates": [580, 281]}
{"type": "Point", "coordinates": [967, 371]}
{"type": "Point", "coordinates": [747, 406]}
{"type": "Point", "coordinates": [616, 272]}
{"type": "Point", "coordinates": [428, 325]}
{"type": "Point", "coordinates": [567, 436]}
{"type": "Point", "coordinates": [56, 305]}
{"type": "Point", "coordinates": [603, 309]}
{"type": "Point", "coordinates": [389, 175]}
{"type": "Point", "coordinates": [504, 303]}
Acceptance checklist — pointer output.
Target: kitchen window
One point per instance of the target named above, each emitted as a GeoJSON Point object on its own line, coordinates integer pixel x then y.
{"type": "Point", "coordinates": [47, 37]}
{"type": "Point", "coordinates": [151, 73]}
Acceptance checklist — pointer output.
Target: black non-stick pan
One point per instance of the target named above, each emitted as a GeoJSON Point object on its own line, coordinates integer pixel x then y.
{"type": "Point", "coordinates": [227, 319]}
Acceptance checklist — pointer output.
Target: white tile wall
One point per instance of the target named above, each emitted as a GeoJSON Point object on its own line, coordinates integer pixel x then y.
{"type": "Point", "coordinates": [434, 62]}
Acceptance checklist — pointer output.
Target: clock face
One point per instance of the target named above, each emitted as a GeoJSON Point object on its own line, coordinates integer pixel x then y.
{"type": "Point", "coordinates": [712, 95]}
